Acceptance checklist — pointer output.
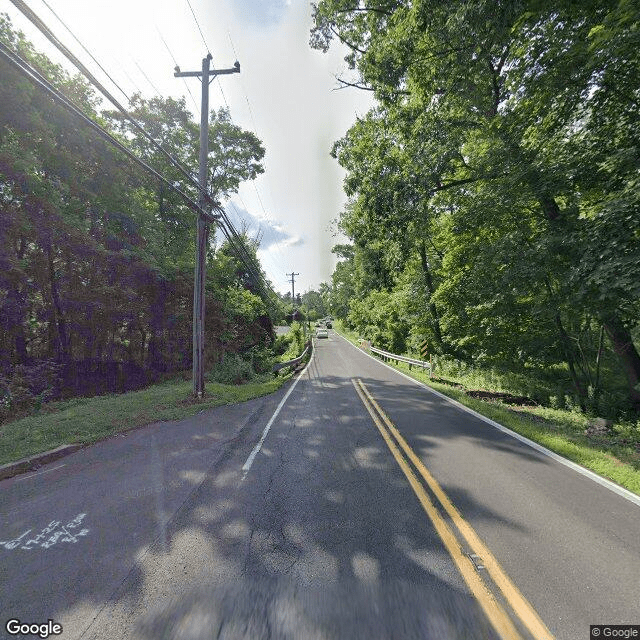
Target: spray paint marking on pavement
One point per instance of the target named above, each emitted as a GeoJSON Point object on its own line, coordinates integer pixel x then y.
{"type": "Point", "coordinates": [496, 614]}
{"type": "Point", "coordinates": [52, 534]}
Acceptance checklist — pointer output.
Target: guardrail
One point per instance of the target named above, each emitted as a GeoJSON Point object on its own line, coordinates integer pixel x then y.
{"type": "Point", "coordinates": [292, 363]}
{"type": "Point", "coordinates": [393, 356]}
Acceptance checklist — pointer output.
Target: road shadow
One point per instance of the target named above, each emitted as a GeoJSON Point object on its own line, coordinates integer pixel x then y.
{"type": "Point", "coordinates": [322, 539]}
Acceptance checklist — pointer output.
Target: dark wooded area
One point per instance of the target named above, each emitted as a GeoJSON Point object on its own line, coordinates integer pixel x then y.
{"type": "Point", "coordinates": [96, 257]}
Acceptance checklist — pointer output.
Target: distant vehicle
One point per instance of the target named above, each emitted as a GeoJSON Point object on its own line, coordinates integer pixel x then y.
{"type": "Point", "coordinates": [322, 333]}
{"type": "Point", "coordinates": [328, 324]}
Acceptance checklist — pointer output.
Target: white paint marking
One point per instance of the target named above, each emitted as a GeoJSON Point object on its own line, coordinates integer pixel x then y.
{"type": "Point", "coordinates": [607, 484]}
{"type": "Point", "coordinates": [39, 473]}
{"type": "Point", "coordinates": [50, 535]}
{"type": "Point", "coordinates": [247, 465]}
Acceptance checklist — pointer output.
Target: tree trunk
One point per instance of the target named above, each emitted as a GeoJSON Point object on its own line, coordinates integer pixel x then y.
{"type": "Point", "coordinates": [18, 305]}
{"type": "Point", "coordinates": [62, 346]}
{"type": "Point", "coordinates": [569, 356]}
{"type": "Point", "coordinates": [429, 282]}
{"type": "Point", "coordinates": [624, 348]}
{"type": "Point", "coordinates": [550, 207]}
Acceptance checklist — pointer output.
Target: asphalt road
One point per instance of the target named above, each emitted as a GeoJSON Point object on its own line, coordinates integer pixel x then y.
{"type": "Point", "coordinates": [371, 508]}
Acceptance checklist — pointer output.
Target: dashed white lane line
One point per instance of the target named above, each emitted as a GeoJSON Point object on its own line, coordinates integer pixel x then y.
{"type": "Point", "coordinates": [247, 465]}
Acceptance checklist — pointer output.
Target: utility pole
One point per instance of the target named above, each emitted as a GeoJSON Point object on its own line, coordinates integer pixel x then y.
{"type": "Point", "coordinates": [293, 286]}
{"type": "Point", "coordinates": [206, 76]}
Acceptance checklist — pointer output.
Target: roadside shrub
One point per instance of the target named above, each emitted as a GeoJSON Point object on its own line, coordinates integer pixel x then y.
{"type": "Point", "coordinates": [261, 358]}
{"type": "Point", "coordinates": [297, 337]}
{"type": "Point", "coordinates": [26, 387]}
{"type": "Point", "coordinates": [232, 369]}
{"type": "Point", "coordinates": [282, 344]}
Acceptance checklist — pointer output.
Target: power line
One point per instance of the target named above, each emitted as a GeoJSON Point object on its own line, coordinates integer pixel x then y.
{"type": "Point", "coordinates": [175, 62]}
{"type": "Point", "coordinates": [230, 232]}
{"type": "Point", "coordinates": [22, 6]}
{"type": "Point", "coordinates": [146, 77]}
{"type": "Point", "coordinates": [131, 80]}
{"type": "Point", "coordinates": [277, 267]}
{"type": "Point", "coordinates": [39, 80]}
{"type": "Point", "coordinates": [249, 260]}
{"type": "Point", "coordinates": [193, 13]}
{"type": "Point", "coordinates": [255, 128]}
{"type": "Point", "coordinates": [106, 73]}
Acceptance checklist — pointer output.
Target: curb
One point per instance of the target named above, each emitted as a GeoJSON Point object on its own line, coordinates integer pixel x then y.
{"type": "Point", "coordinates": [29, 464]}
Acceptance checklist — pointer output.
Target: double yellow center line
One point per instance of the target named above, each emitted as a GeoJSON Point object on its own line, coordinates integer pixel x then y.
{"type": "Point", "coordinates": [495, 612]}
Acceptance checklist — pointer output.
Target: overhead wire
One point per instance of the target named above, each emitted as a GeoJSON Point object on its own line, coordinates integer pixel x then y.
{"type": "Point", "coordinates": [29, 13]}
{"type": "Point", "coordinates": [41, 81]}
{"type": "Point", "coordinates": [131, 80]}
{"type": "Point", "coordinates": [206, 46]}
{"type": "Point", "coordinates": [175, 62]}
{"type": "Point", "coordinates": [255, 128]}
{"type": "Point", "coordinates": [193, 13]}
{"type": "Point", "coordinates": [106, 73]}
{"type": "Point", "coordinates": [237, 244]}
{"type": "Point", "coordinates": [146, 77]}
{"type": "Point", "coordinates": [223, 97]}
{"type": "Point", "coordinates": [235, 241]}
{"type": "Point", "coordinates": [276, 267]}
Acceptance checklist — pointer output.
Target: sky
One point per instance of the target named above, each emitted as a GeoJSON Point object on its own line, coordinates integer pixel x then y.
{"type": "Point", "coordinates": [286, 94]}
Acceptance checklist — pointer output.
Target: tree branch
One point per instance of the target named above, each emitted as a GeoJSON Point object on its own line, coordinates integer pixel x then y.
{"type": "Point", "coordinates": [351, 84]}
{"type": "Point", "coordinates": [351, 46]}
{"type": "Point", "coordinates": [365, 9]}
{"type": "Point", "coordinates": [365, 88]}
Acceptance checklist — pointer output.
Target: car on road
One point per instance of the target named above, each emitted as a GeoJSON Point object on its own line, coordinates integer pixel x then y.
{"type": "Point", "coordinates": [322, 333]}
{"type": "Point", "coordinates": [328, 324]}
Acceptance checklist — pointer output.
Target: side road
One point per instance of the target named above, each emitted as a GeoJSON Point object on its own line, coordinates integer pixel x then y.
{"type": "Point", "coordinates": [134, 482]}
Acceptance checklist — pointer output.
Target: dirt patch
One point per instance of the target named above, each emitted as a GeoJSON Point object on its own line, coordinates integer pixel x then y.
{"type": "Point", "coordinates": [191, 400]}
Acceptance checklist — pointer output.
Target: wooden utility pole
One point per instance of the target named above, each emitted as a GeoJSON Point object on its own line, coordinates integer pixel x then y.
{"type": "Point", "coordinates": [206, 75]}
{"type": "Point", "coordinates": [293, 286]}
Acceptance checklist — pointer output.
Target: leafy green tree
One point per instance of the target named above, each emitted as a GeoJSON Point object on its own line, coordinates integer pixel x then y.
{"type": "Point", "coordinates": [504, 140]}
{"type": "Point", "coordinates": [96, 258]}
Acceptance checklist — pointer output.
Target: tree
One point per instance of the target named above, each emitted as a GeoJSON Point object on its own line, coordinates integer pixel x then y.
{"type": "Point", "coordinates": [486, 116]}
{"type": "Point", "coordinates": [96, 257]}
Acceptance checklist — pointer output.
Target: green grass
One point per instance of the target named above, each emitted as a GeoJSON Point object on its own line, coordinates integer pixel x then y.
{"type": "Point", "coordinates": [559, 430]}
{"type": "Point", "coordinates": [86, 420]}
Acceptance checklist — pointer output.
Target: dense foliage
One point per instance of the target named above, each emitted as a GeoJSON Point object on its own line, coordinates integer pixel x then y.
{"type": "Point", "coordinates": [494, 189]}
{"type": "Point", "coordinates": [96, 256]}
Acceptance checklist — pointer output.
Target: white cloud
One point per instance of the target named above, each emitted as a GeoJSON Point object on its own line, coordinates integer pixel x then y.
{"type": "Point", "coordinates": [270, 233]}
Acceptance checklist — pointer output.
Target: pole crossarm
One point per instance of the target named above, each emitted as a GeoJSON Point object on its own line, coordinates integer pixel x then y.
{"type": "Point", "coordinates": [211, 73]}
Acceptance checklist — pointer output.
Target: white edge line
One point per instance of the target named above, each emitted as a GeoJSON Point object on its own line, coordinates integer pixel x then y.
{"type": "Point", "coordinates": [608, 484]}
{"type": "Point", "coordinates": [39, 473]}
{"type": "Point", "coordinates": [247, 465]}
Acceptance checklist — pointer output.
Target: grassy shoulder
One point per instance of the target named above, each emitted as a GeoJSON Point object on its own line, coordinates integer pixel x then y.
{"type": "Point", "coordinates": [561, 431]}
{"type": "Point", "coordinates": [87, 420]}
